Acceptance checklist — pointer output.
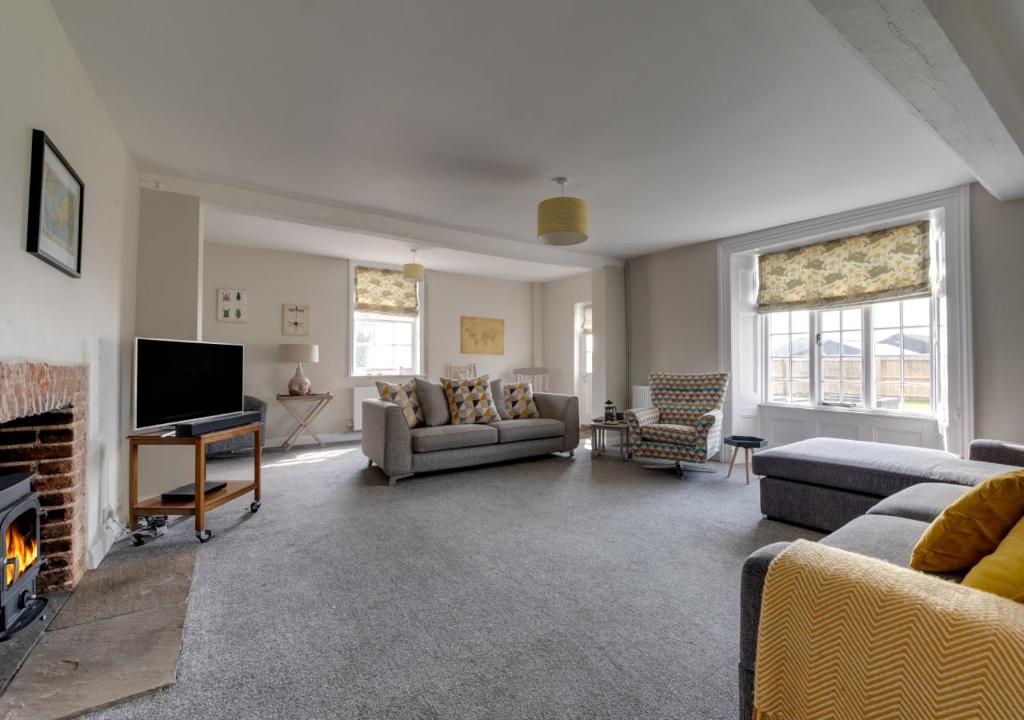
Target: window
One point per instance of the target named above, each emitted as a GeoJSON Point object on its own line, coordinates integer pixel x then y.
{"type": "Point", "coordinates": [892, 372]}
{"type": "Point", "coordinates": [385, 323]}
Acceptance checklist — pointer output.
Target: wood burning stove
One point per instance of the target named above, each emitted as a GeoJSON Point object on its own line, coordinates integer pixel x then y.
{"type": "Point", "coordinates": [20, 519]}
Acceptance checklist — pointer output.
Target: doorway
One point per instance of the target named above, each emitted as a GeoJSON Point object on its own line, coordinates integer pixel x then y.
{"type": "Point", "coordinates": [584, 365]}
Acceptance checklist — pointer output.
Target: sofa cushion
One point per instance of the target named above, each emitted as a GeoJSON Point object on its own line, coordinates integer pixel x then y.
{"type": "Point", "coordinates": [668, 433]}
{"type": "Point", "coordinates": [532, 429]}
{"type": "Point", "coordinates": [879, 536]}
{"type": "Point", "coordinates": [404, 396]}
{"type": "Point", "coordinates": [1002, 572]}
{"type": "Point", "coordinates": [433, 402]}
{"type": "Point", "coordinates": [470, 400]}
{"type": "Point", "coordinates": [518, 401]}
{"type": "Point", "coordinates": [924, 501]}
{"type": "Point", "coordinates": [448, 437]}
{"type": "Point", "coordinates": [498, 393]}
{"type": "Point", "coordinates": [867, 467]}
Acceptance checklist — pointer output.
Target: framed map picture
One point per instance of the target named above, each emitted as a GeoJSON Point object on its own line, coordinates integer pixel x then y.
{"type": "Point", "coordinates": [483, 336]}
{"type": "Point", "coordinates": [56, 202]}
{"type": "Point", "coordinates": [232, 305]}
{"type": "Point", "coordinates": [295, 320]}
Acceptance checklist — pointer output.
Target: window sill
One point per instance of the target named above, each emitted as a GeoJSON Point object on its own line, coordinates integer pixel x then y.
{"type": "Point", "coordinates": [852, 411]}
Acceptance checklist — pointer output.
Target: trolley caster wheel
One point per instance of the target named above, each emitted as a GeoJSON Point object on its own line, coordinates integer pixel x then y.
{"type": "Point", "coordinates": [204, 535]}
{"type": "Point", "coordinates": [254, 505]}
{"type": "Point", "coordinates": [138, 540]}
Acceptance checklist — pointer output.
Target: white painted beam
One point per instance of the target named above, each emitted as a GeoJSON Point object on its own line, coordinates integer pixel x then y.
{"type": "Point", "coordinates": [267, 204]}
{"type": "Point", "coordinates": [903, 43]}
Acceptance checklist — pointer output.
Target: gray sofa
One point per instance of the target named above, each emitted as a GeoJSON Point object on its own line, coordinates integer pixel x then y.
{"type": "Point", "coordinates": [824, 483]}
{"type": "Point", "coordinates": [401, 451]}
{"type": "Point", "coordinates": [888, 529]}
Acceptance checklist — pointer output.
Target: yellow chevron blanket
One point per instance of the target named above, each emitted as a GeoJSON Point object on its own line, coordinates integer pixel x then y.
{"type": "Point", "coordinates": [847, 636]}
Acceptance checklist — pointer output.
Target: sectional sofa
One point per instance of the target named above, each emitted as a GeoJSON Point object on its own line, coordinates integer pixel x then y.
{"type": "Point", "coordinates": [899, 499]}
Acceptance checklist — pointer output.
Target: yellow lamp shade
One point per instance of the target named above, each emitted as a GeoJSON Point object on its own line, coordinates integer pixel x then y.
{"type": "Point", "coordinates": [562, 221]}
{"type": "Point", "coordinates": [414, 271]}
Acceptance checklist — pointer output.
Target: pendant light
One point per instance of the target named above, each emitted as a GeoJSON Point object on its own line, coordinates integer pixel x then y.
{"type": "Point", "coordinates": [414, 271]}
{"type": "Point", "coordinates": [562, 220]}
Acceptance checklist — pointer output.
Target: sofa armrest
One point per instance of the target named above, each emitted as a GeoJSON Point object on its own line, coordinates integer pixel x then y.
{"type": "Point", "coordinates": [249, 404]}
{"type": "Point", "coordinates": [997, 451]}
{"type": "Point", "coordinates": [565, 408]}
{"type": "Point", "coordinates": [637, 418]}
{"type": "Point", "coordinates": [386, 438]}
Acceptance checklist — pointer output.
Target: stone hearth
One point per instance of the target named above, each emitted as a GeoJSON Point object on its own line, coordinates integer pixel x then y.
{"type": "Point", "coordinates": [42, 430]}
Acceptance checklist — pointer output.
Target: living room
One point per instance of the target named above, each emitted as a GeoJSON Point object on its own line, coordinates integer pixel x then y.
{"type": "Point", "coordinates": [524, 353]}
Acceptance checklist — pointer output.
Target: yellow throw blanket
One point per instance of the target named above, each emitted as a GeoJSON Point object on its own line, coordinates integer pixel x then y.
{"type": "Point", "coordinates": [847, 636]}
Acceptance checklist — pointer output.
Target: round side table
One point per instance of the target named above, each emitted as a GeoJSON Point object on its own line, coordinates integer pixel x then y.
{"type": "Point", "coordinates": [749, 443]}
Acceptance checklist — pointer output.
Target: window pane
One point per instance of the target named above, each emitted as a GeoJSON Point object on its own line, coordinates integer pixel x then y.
{"type": "Point", "coordinates": [801, 391]}
{"type": "Point", "coordinates": [801, 369]}
{"type": "Point", "coordinates": [364, 331]}
{"type": "Point", "coordinates": [830, 369]}
{"type": "Point", "coordinates": [852, 369]}
{"type": "Point", "coordinates": [917, 370]}
{"type": "Point", "coordinates": [852, 393]}
{"type": "Point", "coordinates": [830, 392]}
{"type": "Point", "coordinates": [917, 397]}
{"type": "Point", "coordinates": [799, 345]}
{"type": "Point", "coordinates": [780, 368]}
{"type": "Point", "coordinates": [588, 342]}
{"type": "Point", "coordinates": [381, 357]}
{"type": "Point", "coordinates": [851, 343]}
{"type": "Point", "coordinates": [403, 333]}
{"type": "Point", "coordinates": [830, 343]}
{"type": "Point", "coordinates": [780, 345]}
{"type": "Point", "coordinates": [887, 342]}
{"type": "Point", "coordinates": [800, 321]}
{"type": "Point", "coordinates": [851, 319]}
{"type": "Point", "coordinates": [917, 341]}
{"type": "Point", "coordinates": [779, 322]}
{"type": "Point", "coordinates": [917, 311]}
{"type": "Point", "coordinates": [361, 357]}
{"type": "Point", "coordinates": [780, 390]}
{"type": "Point", "coordinates": [588, 363]}
{"type": "Point", "coordinates": [383, 332]}
{"type": "Point", "coordinates": [886, 315]}
{"type": "Point", "coordinates": [830, 320]}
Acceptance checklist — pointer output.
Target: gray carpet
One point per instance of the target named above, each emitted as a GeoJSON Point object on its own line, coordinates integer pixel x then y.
{"type": "Point", "coordinates": [551, 588]}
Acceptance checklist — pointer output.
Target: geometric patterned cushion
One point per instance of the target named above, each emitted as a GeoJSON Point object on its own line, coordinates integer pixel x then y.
{"type": "Point", "coordinates": [668, 433]}
{"type": "Point", "coordinates": [470, 401]}
{"type": "Point", "coordinates": [519, 401]}
{"type": "Point", "coordinates": [404, 396]}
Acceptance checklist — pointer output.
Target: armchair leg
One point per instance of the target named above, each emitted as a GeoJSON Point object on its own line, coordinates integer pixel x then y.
{"type": "Point", "coordinates": [572, 453]}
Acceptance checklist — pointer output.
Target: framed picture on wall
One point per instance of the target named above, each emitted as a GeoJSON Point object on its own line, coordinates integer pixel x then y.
{"type": "Point", "coordinates": [295, 320]}
{"type": "Point", "coordinates": [232, 305]}
{"type": "Point", "coordinates": [56, 206]}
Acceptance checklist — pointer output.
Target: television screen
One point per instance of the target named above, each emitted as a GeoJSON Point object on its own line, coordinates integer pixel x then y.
{"type": "Point", "coordinates": [177, 381]}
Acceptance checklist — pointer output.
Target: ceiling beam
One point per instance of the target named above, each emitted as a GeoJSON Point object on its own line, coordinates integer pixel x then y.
{"type": "Point", "coordinates": [269, 204]}
{"type": "Point", "coordinates": [903, 43]}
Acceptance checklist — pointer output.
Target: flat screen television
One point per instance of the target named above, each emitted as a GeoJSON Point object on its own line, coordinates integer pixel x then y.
{"type": "Point", "coordinates": [180, 380]}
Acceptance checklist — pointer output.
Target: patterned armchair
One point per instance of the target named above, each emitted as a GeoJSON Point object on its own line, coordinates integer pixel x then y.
{"type": "Point", "coordinates": [685, 423]}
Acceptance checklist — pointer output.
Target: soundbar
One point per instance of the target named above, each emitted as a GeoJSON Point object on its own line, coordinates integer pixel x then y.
{"type": "Point", "coordinates": [201, 427]}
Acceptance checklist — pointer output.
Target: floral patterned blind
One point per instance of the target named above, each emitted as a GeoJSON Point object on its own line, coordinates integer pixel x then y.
{"type": "Point", "coordinates": [879, 265]}
{"type": "Point", "coordinates": [385, 291]}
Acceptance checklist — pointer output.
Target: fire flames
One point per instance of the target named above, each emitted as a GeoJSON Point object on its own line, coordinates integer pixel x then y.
{"type": "Point", "coordinates": [19, 546]}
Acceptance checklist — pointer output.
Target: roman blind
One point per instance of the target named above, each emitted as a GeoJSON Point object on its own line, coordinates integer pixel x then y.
{"type": "Point", "coordinates": [880, 265]}
{"type": "Point", "coordinates": [385, 291]}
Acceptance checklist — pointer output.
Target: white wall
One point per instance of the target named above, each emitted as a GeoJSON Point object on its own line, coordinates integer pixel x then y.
{"type": "Point", "coordinates": [273, 278]}
{"type": "Point", "coordinates": [559, 301]}
{"type": "Point", "coordinates": [47, 315]}
{"type": "Point", "coordinates": [450, 296]}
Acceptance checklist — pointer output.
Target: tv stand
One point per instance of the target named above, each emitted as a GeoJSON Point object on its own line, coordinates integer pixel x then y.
{"type": "Point", "coordinates": [202, 502]}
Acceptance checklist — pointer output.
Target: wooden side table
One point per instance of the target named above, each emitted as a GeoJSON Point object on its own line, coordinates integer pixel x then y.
{"type": "Point", "coordinates": [204, 501]}
{"type": "Point", "coordinates": [598, 431]}
{"type": "Point", "coordinates": [304, 427]}
{"type": "Point", "coordinates": [749, 443]}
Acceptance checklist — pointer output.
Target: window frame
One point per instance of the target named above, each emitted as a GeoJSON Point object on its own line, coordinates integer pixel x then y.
{"type": "Point", "coordinates": [418, 351]}
{"type": "Point", "coordinates": [868, 390]}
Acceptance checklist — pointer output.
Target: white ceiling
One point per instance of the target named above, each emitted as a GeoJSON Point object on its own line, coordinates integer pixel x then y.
{"type": "Point", "coordinates": [231, 228]}
{"type": "Point", "coordinates": [678, 121]}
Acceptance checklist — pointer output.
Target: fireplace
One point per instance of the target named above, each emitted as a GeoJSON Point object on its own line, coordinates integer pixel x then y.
{"type": "Point", "coordinates": [20, 523]}
{"type": "Point", "coordinates": [42, 436]}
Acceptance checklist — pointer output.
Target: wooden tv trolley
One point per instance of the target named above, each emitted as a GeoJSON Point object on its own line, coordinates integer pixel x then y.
{"type": "Point", "coordinates": [203, 502]}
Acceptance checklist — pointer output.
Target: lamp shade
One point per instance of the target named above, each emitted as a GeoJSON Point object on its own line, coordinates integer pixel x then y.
{"type": "Point", "coordinates": [414, 272]}
{"type": "Point", "coordinates": [562, 221]}
{"type": "Point", "coordinates": [300, 352]}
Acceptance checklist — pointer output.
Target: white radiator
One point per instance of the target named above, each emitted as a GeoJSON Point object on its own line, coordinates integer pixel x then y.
{"type": "Point", "coordinates": [358, 395]}
{"type": "Point", "coordinates": [641, 396]}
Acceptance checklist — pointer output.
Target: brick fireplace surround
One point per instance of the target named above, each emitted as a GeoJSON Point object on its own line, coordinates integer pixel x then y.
{"type": "Point", "coordinates": [42, 429]}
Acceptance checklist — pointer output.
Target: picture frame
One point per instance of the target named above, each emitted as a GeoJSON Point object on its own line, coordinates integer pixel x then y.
{"type": "Point", "coordinates": [232, 305]}
{"type": "Point", "coordinates": [56, 208]}
{"type": "Point", "coordinates": [461, 372]}
{"type": "Point", "coordinates": [295, 320]}
{"type": "Point", "coordinates": [482, 336]}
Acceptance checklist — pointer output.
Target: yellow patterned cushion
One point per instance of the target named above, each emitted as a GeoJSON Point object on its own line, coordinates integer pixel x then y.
{"type": "Point", "coordinates": [519, 401]}
{"type": "Point", "coordinates": [470, 400]}
{"type": "Point", "coordinates": [404, 396]}
{"type": "Point", "coordinates": [973, 526]}
{"type": "Point", "coordinates": [1002, 572]}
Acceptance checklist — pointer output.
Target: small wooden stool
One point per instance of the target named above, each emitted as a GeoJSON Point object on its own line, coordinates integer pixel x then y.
{"type": "Point", "coordinates": [749, 443]}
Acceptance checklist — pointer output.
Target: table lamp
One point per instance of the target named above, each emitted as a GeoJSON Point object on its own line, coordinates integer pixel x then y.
{"type": "Point", "coordinates": [299, 353]}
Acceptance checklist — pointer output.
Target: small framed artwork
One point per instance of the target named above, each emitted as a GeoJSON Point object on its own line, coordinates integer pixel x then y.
{"type": "Point", "coordinates": [232, 305]}
{"type": "Point", "coordinates": [483, 336]}
{"type": "Point", "coordinates": [461, 372]}
{"type": "Point", "coordinates": [295, 320]}
{"type": "Point", "coordinates": [56, 207]}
